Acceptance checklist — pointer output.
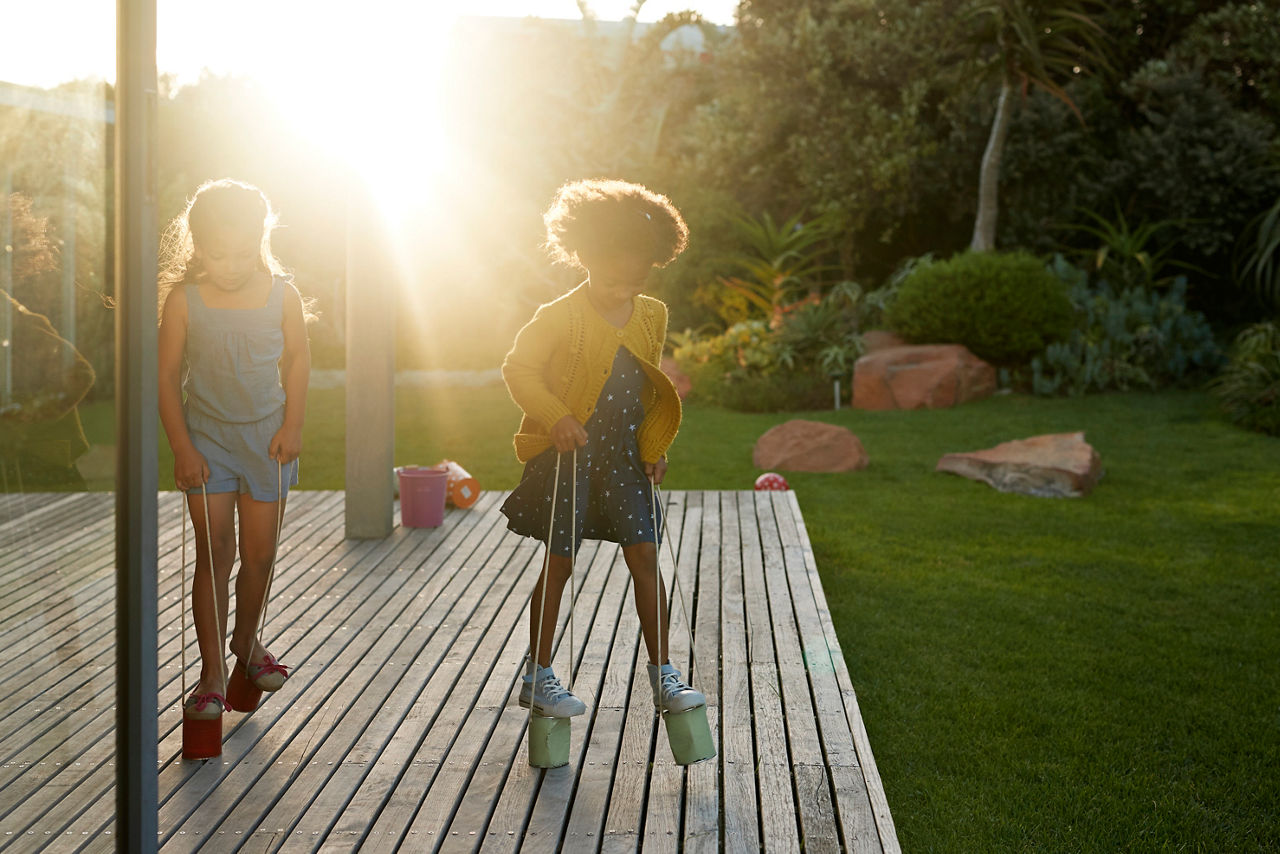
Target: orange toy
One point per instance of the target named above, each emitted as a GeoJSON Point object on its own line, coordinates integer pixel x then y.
{"type": "Point", "coordinates": [464, 489]}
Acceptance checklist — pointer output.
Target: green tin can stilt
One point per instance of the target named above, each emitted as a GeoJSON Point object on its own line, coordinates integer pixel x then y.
{"type": "Point", "coordinates": [549, 741]}
{"type": "Point", "coordinates": [688, 732]}
{"type": "Point", "coordinates": [548, 738]}
{"type": "Point", "coordinates": [689, 735]}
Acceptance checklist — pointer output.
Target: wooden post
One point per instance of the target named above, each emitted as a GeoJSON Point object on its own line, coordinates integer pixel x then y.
{"type": "Point", "coordinates": [137, 781]}
{"type": "Point", "coordinates": [370, 371]}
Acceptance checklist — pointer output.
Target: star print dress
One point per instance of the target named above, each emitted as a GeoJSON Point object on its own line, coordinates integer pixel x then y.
{"type": "Point", "coordinates": [614, 501]}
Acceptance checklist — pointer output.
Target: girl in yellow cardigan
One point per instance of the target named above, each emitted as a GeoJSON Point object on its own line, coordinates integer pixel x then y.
{"type": "Point", "coordinates": [585, 373]}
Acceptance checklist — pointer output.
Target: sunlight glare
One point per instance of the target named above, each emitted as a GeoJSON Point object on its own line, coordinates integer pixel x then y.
{"type": "Point", "coordinates": [365, 89]}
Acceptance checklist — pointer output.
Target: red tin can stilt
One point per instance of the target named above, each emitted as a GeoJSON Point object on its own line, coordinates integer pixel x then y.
{"type": "Point", "coordinates": [242, 695]}
{"type": "Point", "coordinates": [201, 738]}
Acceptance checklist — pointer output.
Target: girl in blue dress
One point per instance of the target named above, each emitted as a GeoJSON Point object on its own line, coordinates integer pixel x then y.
{"type": "Point", "coordinates": [585, 371]}
{"type": "Point", "coordinates": [234, 367]}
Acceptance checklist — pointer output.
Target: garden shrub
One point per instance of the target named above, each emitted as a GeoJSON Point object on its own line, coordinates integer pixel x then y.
{"type": "Point", "coordinates": [745, 369]}
{"type": "Point", "coordinates": [1005, 307]}
{"type": "Point", "coordinates": [1125, 339]}
{"type": "Point", "coordinates": [820, 336]}
{"type": "Point", "coordinates": [1249, 386]}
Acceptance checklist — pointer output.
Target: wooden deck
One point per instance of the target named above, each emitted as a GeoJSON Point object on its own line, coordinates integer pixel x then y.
{"type": "Point", "coordinates": [399, 729]}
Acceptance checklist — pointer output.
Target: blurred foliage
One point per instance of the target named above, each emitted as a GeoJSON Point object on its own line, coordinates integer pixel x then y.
{"type": "Point", "coordinates": [54, 213]}
{"type": "Point", "coordinates": [821, 336]}
{"type": "Point", "coordinates": [1129, 256]}
{"type": "Point", "coordinates": [742, 369]}
{"type": "Point", "coordinates": [1249, 387]}
{"type": "Point", "coordinates": [1258, 255]}
{"type": "Point", "coordinates": [1028, 45]}
{"type": "Point", "coordinates": [781, 263]}
{"type": "Point", "coordinates": [865, 115]}
{"type": "Point", "coordinates": [783, 364]}
{"type": "Point", "coordinates": [1125, 337]}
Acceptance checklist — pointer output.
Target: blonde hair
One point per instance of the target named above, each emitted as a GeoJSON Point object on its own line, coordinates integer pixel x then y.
{"type": "Point", "coordinates": [223, 203]}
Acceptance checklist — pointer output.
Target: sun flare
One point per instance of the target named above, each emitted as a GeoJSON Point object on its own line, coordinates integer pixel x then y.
{"type": "Point", "coordinates": [365, 89]}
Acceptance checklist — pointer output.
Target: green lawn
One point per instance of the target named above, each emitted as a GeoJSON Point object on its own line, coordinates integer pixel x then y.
{"type": "Point", "coordinates": [1094, 674]}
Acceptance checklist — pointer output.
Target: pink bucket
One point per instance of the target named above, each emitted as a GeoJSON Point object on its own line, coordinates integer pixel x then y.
{"type": "Point", "coordinates": [422, 494]}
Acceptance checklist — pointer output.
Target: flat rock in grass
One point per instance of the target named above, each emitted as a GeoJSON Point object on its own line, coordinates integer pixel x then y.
{"type": "Point", "coordinates": [799, 445]}
{"type": "Point", "coordinates": [928, 376]}
{"type": "Point", "coordinates": [1056, 465]}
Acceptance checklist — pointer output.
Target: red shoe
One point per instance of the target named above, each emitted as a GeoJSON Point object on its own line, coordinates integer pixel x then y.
{"type": "Point", "coordinates": [244, 689]}
{"type": "Point", "coordinates": [270, 675]}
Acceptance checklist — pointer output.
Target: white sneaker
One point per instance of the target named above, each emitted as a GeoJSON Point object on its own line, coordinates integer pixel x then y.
{"type": "Point", "coordinates": [551, 699]}
{"type": "Point", "coordinates": [670, 691]}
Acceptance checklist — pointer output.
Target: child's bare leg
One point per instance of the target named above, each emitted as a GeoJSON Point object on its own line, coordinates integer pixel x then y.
{"type": "Point", "coordinates": [222, 525]}
{"type": "Point", "coordinates": [670, 691]}
{"type": "Point", "coordinates": [258, 520]}
{"type": "Point", "coordinates": [651, 594]}
{"type": "Point", "coordinates": [558, 571]}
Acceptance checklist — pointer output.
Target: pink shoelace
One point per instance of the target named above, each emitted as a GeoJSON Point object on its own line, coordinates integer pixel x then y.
{"type": "Point", "coordinates": [268, 665]}
{"type": "Point", "coordinates": [199, 701]}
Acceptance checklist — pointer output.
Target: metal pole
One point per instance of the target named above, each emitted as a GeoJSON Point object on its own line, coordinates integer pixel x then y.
{"type": "Point", "coordinates": [6, 285]}
{"type": "Point", "coordinates": [68, 256]}
{"type": "Point", "coordinates": [136, 408]}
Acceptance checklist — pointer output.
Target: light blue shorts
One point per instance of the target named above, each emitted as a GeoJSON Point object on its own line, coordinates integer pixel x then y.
{"type": "Point", "coordinates": [237, 456]}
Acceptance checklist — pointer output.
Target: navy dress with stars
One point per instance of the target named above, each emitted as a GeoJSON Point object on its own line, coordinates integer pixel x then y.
{"type": "Point", "coordinates": [614, 501]}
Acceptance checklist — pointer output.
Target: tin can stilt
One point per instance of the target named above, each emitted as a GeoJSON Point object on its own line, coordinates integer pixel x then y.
{"type": "Point", "coordinates": [242, 694]}
{"type": "Point", "coordinates": [689, 735]}
{"type": "Point", "coordinates": [201, 738]}
{"type": "Point", "coordinates": [549, 741]}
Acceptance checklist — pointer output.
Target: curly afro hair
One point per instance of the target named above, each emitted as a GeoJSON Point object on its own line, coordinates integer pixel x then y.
{"type": "Point", "coordinates": [603, 216]}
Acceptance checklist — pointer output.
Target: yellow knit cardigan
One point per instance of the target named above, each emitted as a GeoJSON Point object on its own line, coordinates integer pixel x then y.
{"type": "Point", "coordinates": [562, 357]}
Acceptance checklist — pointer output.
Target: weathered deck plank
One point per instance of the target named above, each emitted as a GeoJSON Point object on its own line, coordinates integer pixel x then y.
{"type": "Point", "coordinates": [400, 731]}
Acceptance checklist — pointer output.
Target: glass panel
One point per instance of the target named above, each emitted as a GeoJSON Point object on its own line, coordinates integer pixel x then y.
{"type": "Point", "coordinates": [57, 451]}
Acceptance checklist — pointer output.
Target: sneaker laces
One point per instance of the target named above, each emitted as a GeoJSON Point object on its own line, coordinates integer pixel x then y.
{"type": "Point", "coordinates": [671, 684]}
{"type": "Point", "coordinates": [551, 690]}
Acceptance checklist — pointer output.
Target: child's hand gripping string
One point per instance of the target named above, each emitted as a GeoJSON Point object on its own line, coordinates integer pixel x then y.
{"type": "Point", "coordinates": [285, 445]}
{"type": "Point", "coordinates": [567, 434]}
{"type": "Point", "coordinates": [189, 468]}
{"type": "Point", "coordinates": [656, 471]}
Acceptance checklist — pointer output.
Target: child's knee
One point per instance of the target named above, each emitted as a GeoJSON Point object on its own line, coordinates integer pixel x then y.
{"type": "Point", "coordinates": [224, 555]}
{"type": "Point", "coordinates": [257, 557]}
{"type": "Point", "coordinates": [640, 556]}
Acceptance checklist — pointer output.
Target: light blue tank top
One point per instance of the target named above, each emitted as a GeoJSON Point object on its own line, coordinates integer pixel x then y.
{"type": "Point", "coordinates": [233, 358]}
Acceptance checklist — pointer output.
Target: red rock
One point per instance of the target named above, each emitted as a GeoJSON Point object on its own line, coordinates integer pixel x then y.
{"type": "Point", "coordinates": [929, 376]}
{"type": "Point", "coordinates": [799, 445]}
{"type": "Point", "coordinates": [1057, 465]}
{"type": "Point", "coordinates": [678, 378]}
{"type": "Point", "coordinates": [881, 339]}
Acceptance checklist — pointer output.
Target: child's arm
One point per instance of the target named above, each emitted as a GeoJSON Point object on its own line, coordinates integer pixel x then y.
{"type": "Point", "coordinates": [189, 466]}
{"type": "Point", "coordinates": [524, 371]}
{"type": "Point", "coordinates": [295, 374]}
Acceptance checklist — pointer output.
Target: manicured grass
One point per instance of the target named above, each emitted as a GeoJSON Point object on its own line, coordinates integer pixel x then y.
{"type": "Point", "coordinates": [1069, 675]}
{"type": "Point", "coordinates": [1093, 674]}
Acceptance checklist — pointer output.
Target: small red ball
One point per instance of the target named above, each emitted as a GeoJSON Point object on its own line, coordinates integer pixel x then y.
{"type": "Point", "coordinates": [771, 480]}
